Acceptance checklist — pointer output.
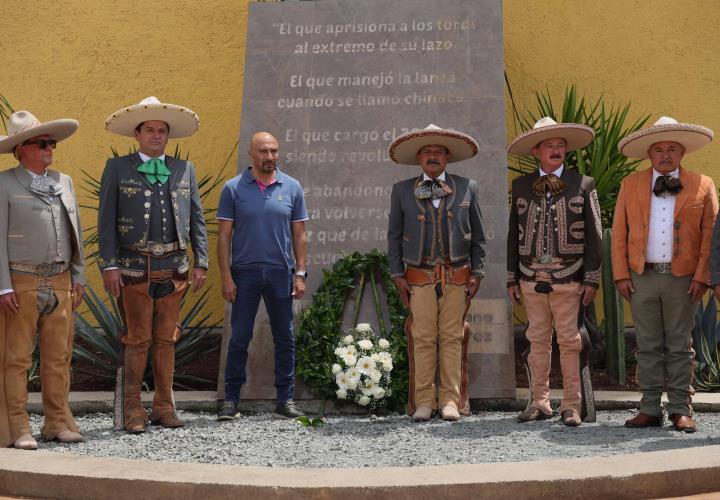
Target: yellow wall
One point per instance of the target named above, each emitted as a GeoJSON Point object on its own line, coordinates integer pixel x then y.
{"type": "Point", "coordinates": [86, 58]}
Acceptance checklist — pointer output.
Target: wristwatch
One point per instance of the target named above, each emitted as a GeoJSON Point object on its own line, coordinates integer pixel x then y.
{"type": "Point", "coordinates": [301, 274]}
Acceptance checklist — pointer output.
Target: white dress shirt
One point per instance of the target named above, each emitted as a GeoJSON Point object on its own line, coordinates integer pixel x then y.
{"type": "Point", "coordinates": [662, 215]}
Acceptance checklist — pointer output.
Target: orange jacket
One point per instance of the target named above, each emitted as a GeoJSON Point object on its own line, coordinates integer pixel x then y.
{"type": "Point", "coordinates": [696, 207]}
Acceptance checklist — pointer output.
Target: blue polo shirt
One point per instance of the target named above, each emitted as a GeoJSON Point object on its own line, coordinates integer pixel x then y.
{"type": "Point", "coordinates": [262, 237]}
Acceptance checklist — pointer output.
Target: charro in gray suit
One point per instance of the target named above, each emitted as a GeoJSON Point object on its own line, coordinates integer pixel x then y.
{"type": "Point", "coordinates": [149, 215]}
{"type": "Point", "coordinates": [42, 278]}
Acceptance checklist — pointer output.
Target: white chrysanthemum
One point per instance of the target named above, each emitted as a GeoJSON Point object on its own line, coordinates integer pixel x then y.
{"type": "Point", "coordinates": [339, 352]}
{"type": "Point", "coordinates": [385, 357]}
{"type": "Point", "coordinates": [348, 339]}
{"type": "Point", "coordinates": [376, 357]}
{"type": "Point", "coordinates": [363, 328]}
{"type": "Point", "coordinates": [349, 359]}
{"type": "Point", "coordinates": [365, 364]}
{"type": "Point", "coordinates": [379, 392]}
{"type": "Point", "coordinates": [387, 367]}
{"type": "Point", "coordinates": [353, 373]}
{"type": "Point", "coordinates": [353, 384]}
{"type": "Point", "coordinates": [336, 369]}
{"type": "Point", "coordinates": [365, 344]}
{"type": "Point", "coordinates": [341, 393]}
{"type": "Point", "coordinates": [383, 343]}
{"type": "Point", "coordinates": [375, 376]}
{"type": "Point", "coordinates": [364, 401]}
{"type": "Point", "coordinates": [369, 388]}
{"type": "Point", "coordinates": [351, 348]}
{"type": "Point", "coordinates": [342, 381]}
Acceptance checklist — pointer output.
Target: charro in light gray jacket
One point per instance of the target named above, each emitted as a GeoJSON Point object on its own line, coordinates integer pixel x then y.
{"type": "Point", "coordinates": [406, 227]}
{"type": "Point", "coordinates": [26, 220]}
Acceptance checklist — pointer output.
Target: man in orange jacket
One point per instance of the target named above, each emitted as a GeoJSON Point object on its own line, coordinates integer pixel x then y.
{"type": "Point", "coordinates": [661, 238]}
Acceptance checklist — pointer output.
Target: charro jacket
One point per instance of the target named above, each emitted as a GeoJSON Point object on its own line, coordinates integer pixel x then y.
{"type": "Point", "coordinates": [696, 207]}
{"type": "Point", "coordinates": [124, 214]}
{"type": "Point", "coordinates": [555, 239]}
{"type": "Point", "coordinates": [24, 215]}
{"type": "Point", "coordinates": [406, 227]}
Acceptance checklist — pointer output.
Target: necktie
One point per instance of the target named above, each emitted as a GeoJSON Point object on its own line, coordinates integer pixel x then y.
{"type": "Point", "coordinates": [548, 183]}
{"type": "Point", "coordinates": [435, 189]}
{"type": "Point", "coordinates": [155, 171]}
{"type": "Point", "coordinates": [667, 184]}
{"type": "Point", "coordinates": [45, 187]}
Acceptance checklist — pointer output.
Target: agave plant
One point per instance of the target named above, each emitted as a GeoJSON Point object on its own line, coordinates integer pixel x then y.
{"type": "Point", "coordinates": [5, 111]}
{"type": "Point", "coordinates": [600, 159]}
{"type": "Point", "coordinates": [705, 336]}
{"type": "Point", "coordinates": [99, 348]}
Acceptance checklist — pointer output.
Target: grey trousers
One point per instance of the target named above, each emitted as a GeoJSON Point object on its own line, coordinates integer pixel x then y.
{"type": "Point", "coordinates": [663, 313]}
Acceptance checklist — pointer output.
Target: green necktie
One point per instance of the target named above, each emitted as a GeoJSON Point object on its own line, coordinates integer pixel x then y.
{"type": "Point", "coordinates": [155, 170]}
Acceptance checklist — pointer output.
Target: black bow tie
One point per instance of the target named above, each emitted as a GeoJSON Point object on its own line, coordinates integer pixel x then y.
{"type": "Point", "coordinates": [434, 189]}
{"type": "Point", "coordinates": [667, 184]}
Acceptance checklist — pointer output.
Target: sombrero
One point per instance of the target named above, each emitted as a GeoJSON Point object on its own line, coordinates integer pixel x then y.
{"type": "Point", "coordinates": [23, 125]}
{"type": "Point", "coordinates": [691, 136]}
{"type": "Point", "coordinates": [405, 148]}
{"type": "Point", "coordinates": [576, 136]}
{"type": "Point", "coordinates": [182, 121]}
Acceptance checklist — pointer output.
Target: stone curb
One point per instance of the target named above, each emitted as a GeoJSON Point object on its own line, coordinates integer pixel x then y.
{"type": "Point", "coordinates": [93, 402]}
{"type": "Point", "coordinates": [644, 475]}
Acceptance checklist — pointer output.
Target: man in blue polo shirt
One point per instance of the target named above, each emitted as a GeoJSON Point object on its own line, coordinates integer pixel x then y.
{"type": "Point", "coordinates": [262, 212]}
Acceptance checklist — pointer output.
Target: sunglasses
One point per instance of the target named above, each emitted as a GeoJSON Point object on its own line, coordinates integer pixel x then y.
{"type": "Point", "coordinates": [42, 143]}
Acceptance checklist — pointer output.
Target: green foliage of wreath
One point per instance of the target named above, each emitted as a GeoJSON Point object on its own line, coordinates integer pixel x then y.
{"type": "Point", "coordinates": [321, 323]}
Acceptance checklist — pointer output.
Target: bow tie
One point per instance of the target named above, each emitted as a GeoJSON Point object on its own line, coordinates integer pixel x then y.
{"type": "Point", "coordinates": [667, 184]}
{"type": "Point", "coordinates": [155, 171]}
{"type": "Point", "coordinates": [548, 183]}
{"type": "Point", "coordinates": [435, 189]}
{"type": "Point", "coordinates": [45, 187]}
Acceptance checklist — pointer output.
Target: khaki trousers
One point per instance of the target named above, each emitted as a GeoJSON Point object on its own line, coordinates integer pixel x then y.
{"type": "Point", "coordinates": [664, 315]}
{"type": "Point", "coordinates": [17, 337]}
{"type": "Point", "coordinates": [437, 332]}
{"type": "Point", "coordinates": [150, 321]}
{"type": "Point", "coordinates": [559, 307]}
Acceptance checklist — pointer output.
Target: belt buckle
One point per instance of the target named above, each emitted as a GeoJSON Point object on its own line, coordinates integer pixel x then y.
{"type": "Point", "coordinates": [45, 269]}
{"type": "Point", "coordinates": [662, 267]}
{"type": "Point", "coordinates": [157, 249]}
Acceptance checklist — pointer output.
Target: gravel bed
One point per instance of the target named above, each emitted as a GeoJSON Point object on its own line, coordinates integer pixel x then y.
{"type": "Point", "coordinates": [392, 440]}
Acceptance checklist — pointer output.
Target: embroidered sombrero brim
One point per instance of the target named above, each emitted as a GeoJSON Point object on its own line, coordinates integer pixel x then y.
{"type": "Point", "coordinates": [56, 129]}
{"type": "Point", "coordinates": [183, 122]}
{"type": "Point", "coordinates": [575, 134]}
{"type": "Point", "coordinates": [404, 149]}
{"type": "Point", "coordinates": [691, 136]}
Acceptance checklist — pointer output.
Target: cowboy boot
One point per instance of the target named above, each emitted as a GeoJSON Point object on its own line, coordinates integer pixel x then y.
{"type": "Point", "coordinates": [135, 363]}
{"type": "Point", "coordinates": [163, 411]}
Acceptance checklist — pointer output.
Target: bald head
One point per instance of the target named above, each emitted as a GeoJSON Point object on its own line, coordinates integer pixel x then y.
{"type": "Point", "coordinates": [263, 152]}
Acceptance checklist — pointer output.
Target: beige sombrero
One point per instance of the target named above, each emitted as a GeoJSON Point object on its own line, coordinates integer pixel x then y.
{"type": "Point", "coordinates": [405, 148]}
{"type": "Point", "coordinates": [692, 137]}
{"type": "Point", "coordinates": [576, 136]}
{"type": "Point", "coordinates": [183, 122]}
{"type": "Point", "coordinates": [23, 125]}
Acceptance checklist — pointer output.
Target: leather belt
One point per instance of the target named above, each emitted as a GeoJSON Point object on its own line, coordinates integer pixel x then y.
{"type": "Point", "coordinates": [659, 267]}
{"type": "Point", "coordinates": [156, 249]}
{"type": "Point", "coordinates": [438, 274]}
{"type": "Point", "coordinates": [45, 269]}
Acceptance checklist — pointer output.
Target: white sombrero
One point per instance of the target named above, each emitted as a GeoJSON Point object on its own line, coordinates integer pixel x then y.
{"type": "Point", "coordinates": [692, 137]}
{"type": "Point", "coordinates": [182, 121]}
{"type": "Point", "coordinates": [576, 136]}
{"type": "Point", "coordinates": [23, 125]}
{"type": "Point", "coordinates": [405, 148]}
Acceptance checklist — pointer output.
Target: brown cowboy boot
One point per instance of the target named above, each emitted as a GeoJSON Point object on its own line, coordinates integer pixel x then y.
{"type": "Point", "coordinates": [163, 412]}
{"type": "Point", "coordinates": [135, 363]}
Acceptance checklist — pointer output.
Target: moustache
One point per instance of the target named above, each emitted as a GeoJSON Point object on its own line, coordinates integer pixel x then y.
{"type": "Point", "coordinates": [556, 157]}
{"type": "Point", "coordinates": [433, 162]}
